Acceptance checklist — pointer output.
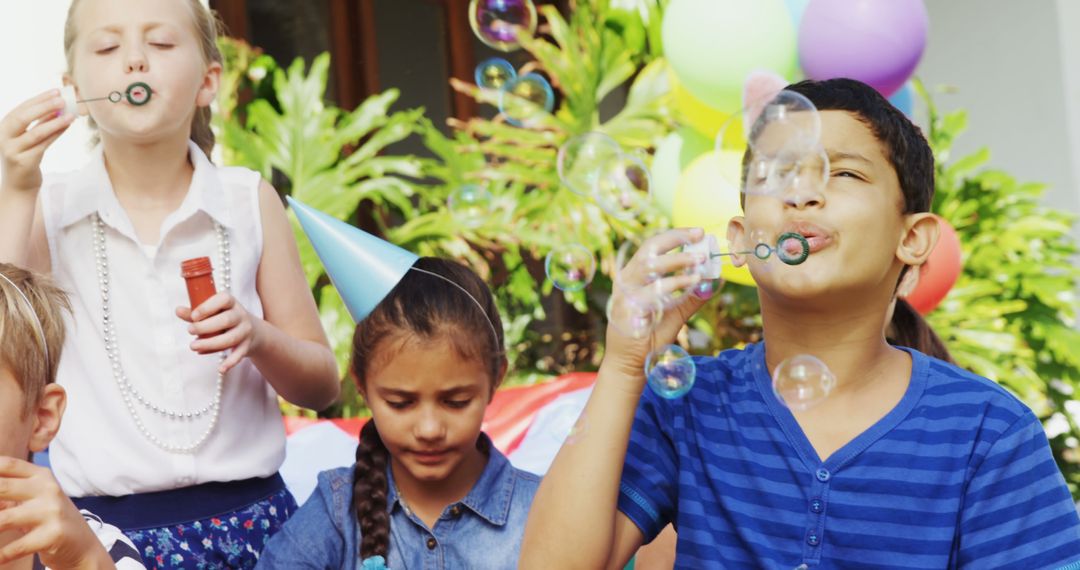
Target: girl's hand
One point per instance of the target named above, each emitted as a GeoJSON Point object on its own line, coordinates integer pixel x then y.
{"type": "Point", "coordinates": [33, 507]}
{"type": "Point", "coordinates": [654, 272]}
{"type": "Point", "coordinates": [223, 324]}
{"type": "Point", "coordinates": [25, 133]}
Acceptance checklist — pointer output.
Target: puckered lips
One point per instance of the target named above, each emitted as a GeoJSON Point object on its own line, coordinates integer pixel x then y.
{"type": "Point", "coordinates": [818, 237]}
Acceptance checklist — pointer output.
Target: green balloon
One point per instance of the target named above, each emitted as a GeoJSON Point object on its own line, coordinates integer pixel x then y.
{"type": "Point", "coordinates": [674, 153]}
{"type": "Point", "coordinates": [712, 45]}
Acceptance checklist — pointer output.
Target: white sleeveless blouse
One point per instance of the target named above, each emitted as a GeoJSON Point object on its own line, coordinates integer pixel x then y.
{"type": "Point", "coordinates": [99, 450]}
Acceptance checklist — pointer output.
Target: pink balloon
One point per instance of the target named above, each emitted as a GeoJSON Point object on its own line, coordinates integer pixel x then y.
{"type": "Point", "coordinates": [878, 42]}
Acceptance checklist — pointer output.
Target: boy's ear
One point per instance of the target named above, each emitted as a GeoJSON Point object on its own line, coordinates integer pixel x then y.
{"type": "Point", "coordinates": [921, 231]}
{"type": "Point", "coordinates": [47, 415]}
{"type": "Point", "coordinates": [211, 82]}
{"type": "Point", "coordinates": [736, 236]}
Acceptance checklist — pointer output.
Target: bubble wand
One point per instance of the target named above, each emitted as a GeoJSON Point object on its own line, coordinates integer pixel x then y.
{"type": "Point", "coordinates": [137, 94]}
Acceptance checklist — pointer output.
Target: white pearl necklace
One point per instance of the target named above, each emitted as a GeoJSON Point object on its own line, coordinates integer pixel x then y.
{"type": "Point", "coordinates": [128, 391]}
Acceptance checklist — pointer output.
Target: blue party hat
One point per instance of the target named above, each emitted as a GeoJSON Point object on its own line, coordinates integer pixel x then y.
{"type": "Point", "coordinates": [362, 267]}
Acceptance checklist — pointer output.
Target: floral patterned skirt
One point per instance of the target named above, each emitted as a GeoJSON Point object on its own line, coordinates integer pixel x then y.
{"type": "Point", "coordinates": [231, 540]}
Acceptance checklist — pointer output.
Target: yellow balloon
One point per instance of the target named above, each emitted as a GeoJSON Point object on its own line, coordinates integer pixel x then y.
{"type": "Point", "coordinates": [705, 119]}
{"type": "Point", "coordinates": [707, 197]}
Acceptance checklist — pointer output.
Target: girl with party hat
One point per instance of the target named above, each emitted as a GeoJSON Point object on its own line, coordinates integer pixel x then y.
{"type": "Point", "coordinates": [428, 489]}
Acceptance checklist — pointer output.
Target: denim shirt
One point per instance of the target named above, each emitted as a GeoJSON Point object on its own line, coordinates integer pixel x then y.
{"type": "Point", "coordinates": [483, 530]}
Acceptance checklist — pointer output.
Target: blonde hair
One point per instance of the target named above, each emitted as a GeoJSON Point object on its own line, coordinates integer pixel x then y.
{"type": "Point", "coordinates": [207, 27]}
{"type": "Point", "coordinates": [31, 329]}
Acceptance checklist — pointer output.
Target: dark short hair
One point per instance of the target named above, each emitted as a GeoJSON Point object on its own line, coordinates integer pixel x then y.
{"type": "Point", "coordinates": [905, 146]}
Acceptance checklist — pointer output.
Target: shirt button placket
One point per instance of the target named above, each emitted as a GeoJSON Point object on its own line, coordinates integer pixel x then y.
{"type": "Point", "coordinates": [816, 519]}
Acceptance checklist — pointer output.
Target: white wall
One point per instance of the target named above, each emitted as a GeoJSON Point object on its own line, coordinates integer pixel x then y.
{"type": "Point", "coordinates": [32, 57]}
{"type": "Point", "coordinates": [1015, 66]}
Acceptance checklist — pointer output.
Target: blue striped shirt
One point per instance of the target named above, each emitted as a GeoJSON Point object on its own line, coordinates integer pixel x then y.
{"type": "Point", "coordinates": [958, 475]}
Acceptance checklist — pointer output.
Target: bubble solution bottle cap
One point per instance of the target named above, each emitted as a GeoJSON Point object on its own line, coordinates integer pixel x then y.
{"type": "Point", "coordinates": [199, 275]}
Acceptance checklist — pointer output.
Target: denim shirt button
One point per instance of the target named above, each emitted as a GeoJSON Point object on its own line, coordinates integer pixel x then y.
{"type": "Point", "coordinates": [432, 543]}
{"type": "Point", "coordinates": [455, 510]}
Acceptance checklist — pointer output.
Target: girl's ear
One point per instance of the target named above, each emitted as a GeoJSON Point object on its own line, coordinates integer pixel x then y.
{"type": "Point", "coordinates": [209, 88]}
{"type": "Point", "coordinates": [921, 231]}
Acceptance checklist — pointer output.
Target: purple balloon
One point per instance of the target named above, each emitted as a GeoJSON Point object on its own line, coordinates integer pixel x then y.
{"type": "Point", "coordinates": [878, 42]}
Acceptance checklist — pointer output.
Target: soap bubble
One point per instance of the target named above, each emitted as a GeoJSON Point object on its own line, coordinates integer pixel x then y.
{"type": "Point", "coordinates": [637, 312]}
{"type": "Point", "coordinates": [623, 187]}
{"type": "Point", "coordinates": [470, 205]}
{"type": "Point", "coordinates": [583, 158]}
{"type": "Point", "coordinates": [570, 267]}
{"type": "Point", "coordinates": [497, 22]}
{"type": "Point", "coordinates": [494, 73]}
{"type": "Point", "coordinates": [802, 382]}
{"type": "Point", "coordinates": [670, 371]}
{"type": "Point", "coordinates": [524, 97]}
{"type": "Point", "coordinates": [788, 122]}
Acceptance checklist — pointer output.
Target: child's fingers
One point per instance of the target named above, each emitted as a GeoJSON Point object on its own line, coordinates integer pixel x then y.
{"type": "Point", "coordinates": [215, 324]}
{"type": "Point", "coordinates": [43, 131]}
{"type": "Point", "coordinates": [234, 357]}
{"type": "Point", "coordinates": [17, 121]}
{"type": "Point", "coordinates": [12, 467]}
{"type": "Point", "coordinates": [184, 313]}
{"type": "Point", "coordinates": [17, 489]}
{"type": "Point", "coordinates": [218, 343]}
{"type": "Point", "coordinates": [37, 540]}
{"type": "Point", "coordinates": [219, 302]}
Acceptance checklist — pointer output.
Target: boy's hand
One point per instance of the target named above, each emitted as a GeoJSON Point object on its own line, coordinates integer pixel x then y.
{"type": "Point", "coordinates": [225, 325]}
{"type": "Point", "coordinates": [33, 507]}
{"type": "Point", "coordinates": [655, 271]}
{"type": "Point", "coordinates": [22, 147]}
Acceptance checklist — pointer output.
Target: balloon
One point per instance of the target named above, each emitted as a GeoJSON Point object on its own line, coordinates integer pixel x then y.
{"type": "Point", "coordinates": [904, 99]}
{"type": "Point", "coordinates": [940, 271]}
{"type": "Point", "coordinates": [712, 45]}
{"type": "Point", "coordinates": [796, 8]}
{"type": "Point", "coordinates": [673, 155]}
{"type": "Point", "coordinates": [703, 118]}
{"type": "Point", "coordinates": [878, 42]}
{"type": "Point", "coordinates": [704, 199]}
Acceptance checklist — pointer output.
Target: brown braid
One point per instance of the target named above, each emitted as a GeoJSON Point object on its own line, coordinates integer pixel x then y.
{"type": "Point", "coordinates": [369, 493]}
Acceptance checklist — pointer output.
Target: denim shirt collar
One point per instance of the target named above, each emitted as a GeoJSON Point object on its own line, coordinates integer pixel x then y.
{"type": "Point", "coordinates": [491, 496]}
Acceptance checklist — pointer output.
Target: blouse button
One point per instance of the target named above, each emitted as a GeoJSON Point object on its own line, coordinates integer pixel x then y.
{"type": "Point", "coordinates": [432, 543]}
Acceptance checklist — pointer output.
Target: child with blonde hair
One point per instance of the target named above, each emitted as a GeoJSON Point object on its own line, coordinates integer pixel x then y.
{"type": "Point", "coordinates": [174, 433]}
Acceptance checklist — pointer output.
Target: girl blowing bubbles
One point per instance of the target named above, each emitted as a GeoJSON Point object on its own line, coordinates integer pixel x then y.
{"type": "Point", "coordinates": [428, 489]}
{"type": "Point", "coordinates": [173, 432]}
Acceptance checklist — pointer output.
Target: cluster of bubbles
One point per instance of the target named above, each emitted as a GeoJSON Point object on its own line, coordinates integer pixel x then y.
{"type": "Point", "coordinates": [521, 97]}
{"type": "Point", "coordinates": [500, 24]}
{"type": "Point", "coordinates": [783, 136]}
{"type": "Point", "coordinates": [594, 165]}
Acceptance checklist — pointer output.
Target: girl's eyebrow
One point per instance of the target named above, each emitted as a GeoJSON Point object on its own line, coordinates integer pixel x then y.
{"type": "Point", "coordinates": [114, 29]}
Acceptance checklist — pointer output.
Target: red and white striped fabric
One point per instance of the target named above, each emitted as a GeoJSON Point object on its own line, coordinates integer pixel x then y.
{"type": "Point", "coordinates": [527, 423]}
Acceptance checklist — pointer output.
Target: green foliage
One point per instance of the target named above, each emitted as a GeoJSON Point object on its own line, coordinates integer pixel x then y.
{"type": "Point", "coordinates": [1011, 316]}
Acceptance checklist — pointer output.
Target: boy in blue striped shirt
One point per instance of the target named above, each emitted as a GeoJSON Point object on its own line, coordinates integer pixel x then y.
{"type": "Point", "coordinates": [910, 462]}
